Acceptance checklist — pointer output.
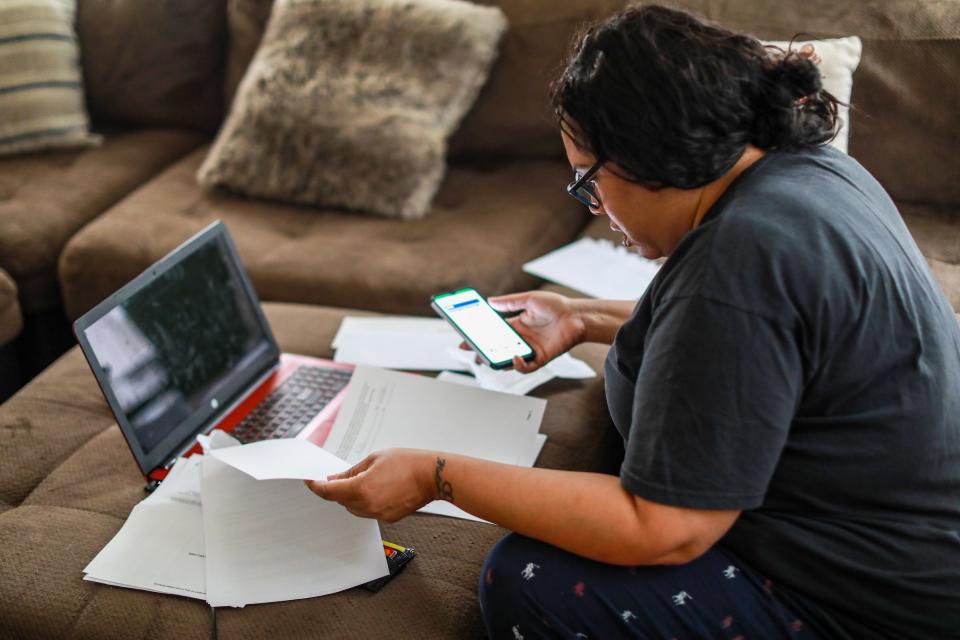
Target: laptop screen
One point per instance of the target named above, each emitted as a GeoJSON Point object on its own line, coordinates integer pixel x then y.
{"type": "Point", "coordinates": [173, 351]}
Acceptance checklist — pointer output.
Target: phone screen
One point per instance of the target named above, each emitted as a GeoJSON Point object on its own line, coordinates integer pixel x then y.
{"type": "Point", "coordinates": [477, 321]}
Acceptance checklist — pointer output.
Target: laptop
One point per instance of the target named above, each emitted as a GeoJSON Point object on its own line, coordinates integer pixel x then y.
{"type": "Point", "coordinates": [184, 349]}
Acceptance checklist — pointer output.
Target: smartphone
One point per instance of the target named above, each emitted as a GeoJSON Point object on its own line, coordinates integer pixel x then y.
{"type": "Point", "coordinates": [492, 337]}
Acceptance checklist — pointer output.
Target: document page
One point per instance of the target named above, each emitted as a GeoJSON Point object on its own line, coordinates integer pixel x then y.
{"type": "Point", "coordinates": [396, 342]}
{"type": "Point", "coordinates": [352, 326]}
{"type": "Point", "coordinates": [286, 458]}
{"type": "Point", "coordinates": [384, 409]}
{"type": "Point", "coordinates": [598, 268]}
{"type": "Point", "coordinates": [273, 540]}
{"type": "Point", "coordinates": [160, 547]}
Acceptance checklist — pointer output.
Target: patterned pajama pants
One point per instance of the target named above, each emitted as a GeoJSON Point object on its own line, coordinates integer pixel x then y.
{"type": "Point", "coordinates": [530, 590]}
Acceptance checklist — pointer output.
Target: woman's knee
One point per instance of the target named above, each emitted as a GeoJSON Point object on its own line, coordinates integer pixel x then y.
{"type": "Point", "coordinates": [507, 581]}
{"type": "Point", "coordinates": [501, 564]}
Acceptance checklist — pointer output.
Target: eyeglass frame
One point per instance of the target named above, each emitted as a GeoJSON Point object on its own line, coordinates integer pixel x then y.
{"type": "Point", "coordinates": [592, 198]}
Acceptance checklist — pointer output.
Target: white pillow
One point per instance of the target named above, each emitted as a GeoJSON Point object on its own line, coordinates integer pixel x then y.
{"type": "Point", "coordinates": [839, 58]}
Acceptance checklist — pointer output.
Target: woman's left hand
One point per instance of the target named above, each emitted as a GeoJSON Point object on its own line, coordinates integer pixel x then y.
{"type": "Point", "coordinates": [387, 485]}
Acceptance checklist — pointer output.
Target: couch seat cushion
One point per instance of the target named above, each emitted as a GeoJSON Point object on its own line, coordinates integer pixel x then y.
{"type": "Point", "coordinates": [46, 198]}
{"type": "Point", "coordinates": [91, 482]}
{"type": "Point", "coordinates": [485, 223]}
{"type": "Point", "coordinates": [46, 422]}
{"type": "Point", "coordinates": [10, 319]}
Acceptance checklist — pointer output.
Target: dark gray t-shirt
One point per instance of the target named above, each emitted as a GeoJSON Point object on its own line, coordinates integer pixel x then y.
{"type": "Point", "coordinates": [795, 359]}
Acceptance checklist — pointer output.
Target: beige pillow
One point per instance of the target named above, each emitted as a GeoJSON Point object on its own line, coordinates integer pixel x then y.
{"type": "Point", "coordinates": [349, 103]}
{"type": "Point", "coordinates": [41, 93]}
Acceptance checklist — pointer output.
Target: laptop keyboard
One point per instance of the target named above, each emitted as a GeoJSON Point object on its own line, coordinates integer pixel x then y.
{"type": "Point", "coordinates": [292, 405]}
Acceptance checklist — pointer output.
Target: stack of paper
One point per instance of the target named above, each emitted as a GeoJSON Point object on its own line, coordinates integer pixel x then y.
{"type": "Point", "coordinates": [514, 382]}
{"type": "Point", "coordinates": [597, 268]}
{"type": "Point", "coordinates": [396, 342]}
{"type": "Point", "coordinates": [384, 409]}
{"type": "Point", "coordinates": [259, 536]}
{"type": "Point", "coordinates": [269, 538]}
{"type": "Point", "coordinates": [411, 343]}
{"type": "Point", "coordinates": [160, 546]}
{"type": "Point", "coordinates": [237, 526]}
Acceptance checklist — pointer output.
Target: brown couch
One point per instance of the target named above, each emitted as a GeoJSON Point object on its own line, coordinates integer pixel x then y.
{"type": "Point", "coordinates": [67, 482]}
{"type": "Point", "coordinates": [149, 89]}
{"type": "Point", "coordinates": [66, 479]}
{"type": "Point", "coordinates": [503, 201]}
{"type": "Point", "coordinates": [11, 321]}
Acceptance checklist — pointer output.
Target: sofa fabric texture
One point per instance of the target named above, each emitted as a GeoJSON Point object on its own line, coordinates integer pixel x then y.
{"type": "Point", "coordinates": [937, 232]}
{"type": "Point", "coordinates": [486, 221]}
{"type": "Point", "coordinates": [349, 104]}
{"type": "Point", "coordinates": [246, 22]}
{"type": "Point", "coordinates": [41, 91]}
{"type": "Point", "coordinates": [10, 319]}
{"type": "Point", "coordinates": [156, 63]}
{"type": "Point", "coordinates": [46, 198]}
{"type": "Point", "coordinates": [65, 497]}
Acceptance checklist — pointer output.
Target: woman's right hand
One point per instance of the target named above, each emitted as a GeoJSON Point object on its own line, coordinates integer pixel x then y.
{"type": "Point", "coordinates": [549, 322]}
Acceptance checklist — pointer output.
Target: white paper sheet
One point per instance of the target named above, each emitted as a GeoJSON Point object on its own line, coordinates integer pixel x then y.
{"type": "Point", "coordinates": [597, 268]}
{"type": "Point", "coordinates": [458, 378]}
{"type": "Point", "coordinates": [506, 381]}
{"type": "Point", "coordinates": [399, 351]}
{"type": "Point", "coordinates": [217, 439]}
{"type": "Point", "coordinates": [566, 366]}
{"type": "Point", "coordinates": [444, 508]}
{"type": "Point", "coordinates": [411, 325]}
{"type": "Point", "coordinates": [396, 342]}
{"type": "Point", "coordinates": [510, 381]}
{"type": "Point", "coordinates": [287, 458]}
{"type": "Point", "coordinates": [274, 540]}
{"type": "Point", "coordinates": [384, 409]}
{"type": "Point", "coordinates": [160, 547]}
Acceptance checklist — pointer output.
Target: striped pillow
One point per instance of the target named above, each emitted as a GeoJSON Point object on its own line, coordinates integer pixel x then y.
{"type": "Point", "coordinates": [41, 93]}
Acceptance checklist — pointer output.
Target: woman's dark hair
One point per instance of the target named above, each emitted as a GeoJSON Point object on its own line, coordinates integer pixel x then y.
{"type": "Point", "coordinates": [674, 100]}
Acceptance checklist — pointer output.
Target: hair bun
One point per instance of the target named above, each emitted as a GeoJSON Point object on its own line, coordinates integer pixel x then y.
{"type": "Point", "coordinates": [797, 74]}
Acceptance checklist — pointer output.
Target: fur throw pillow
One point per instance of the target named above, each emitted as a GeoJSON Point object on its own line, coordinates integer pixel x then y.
{"type": "Point", "coordinates": [349, 103]}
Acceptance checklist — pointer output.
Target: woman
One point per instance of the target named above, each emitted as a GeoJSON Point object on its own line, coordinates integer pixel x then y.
{"type": "Point", "coordinates": [788, 389]}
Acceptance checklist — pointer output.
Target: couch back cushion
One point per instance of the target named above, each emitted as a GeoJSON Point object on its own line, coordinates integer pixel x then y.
{"type": "Point", "coordinates": [905, 95]}
{"type": "Point", "coordinates": [154, 63]}
{"type": "Point", "coordinates": [246, 22]}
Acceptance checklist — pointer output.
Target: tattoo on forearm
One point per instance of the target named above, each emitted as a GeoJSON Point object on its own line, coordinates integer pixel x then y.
{"type": "Point", "coordinates": [444, 489]}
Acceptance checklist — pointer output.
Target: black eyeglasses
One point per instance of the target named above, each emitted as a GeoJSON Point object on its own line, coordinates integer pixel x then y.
{"type": "Point", "coordinates": [584, 188]}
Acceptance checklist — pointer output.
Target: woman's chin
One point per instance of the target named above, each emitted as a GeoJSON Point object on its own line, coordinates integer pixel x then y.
{"type": "Point", "coordinates": [647, 251]}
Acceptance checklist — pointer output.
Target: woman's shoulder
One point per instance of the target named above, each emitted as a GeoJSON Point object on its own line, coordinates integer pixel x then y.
{"type": "Point", "coordinates": [795, 227]}
{"type": "Point", "coordinates": [805, 203]}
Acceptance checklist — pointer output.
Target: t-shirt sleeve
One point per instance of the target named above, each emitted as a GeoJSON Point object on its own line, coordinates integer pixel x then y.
{"type": "Point", "coordinates": [716, 393]}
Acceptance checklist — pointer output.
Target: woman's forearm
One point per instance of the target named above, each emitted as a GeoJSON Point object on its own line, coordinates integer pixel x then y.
{"type": "Point", "coordinates": [588, 514]}
{"type": "Point", "coordinates": [602, 318]}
